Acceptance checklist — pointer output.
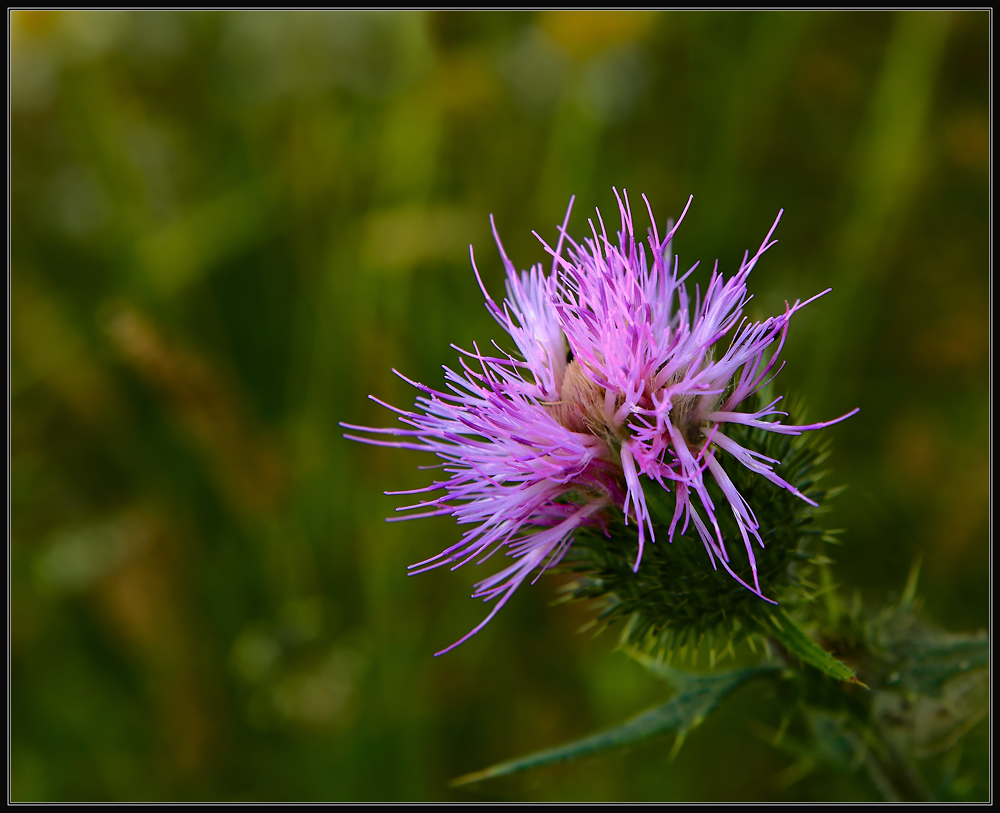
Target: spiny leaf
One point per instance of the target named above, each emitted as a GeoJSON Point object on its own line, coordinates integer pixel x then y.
{"type": "Point", "coordinates": [781, 626]}
{"type": "Point", "coordinates": [927, 662]}
{"type": "Point", "coordinates": [697, 695]}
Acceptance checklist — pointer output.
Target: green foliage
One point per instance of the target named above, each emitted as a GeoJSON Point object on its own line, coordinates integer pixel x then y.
{"type": "Point", "coordinates": [696, 696]}
{"type": "Point", "coordinates": [784, 629]}
{"type": "Point", "coordinates": [924, 664]}
{"type": "Point", "coordinates": [935, 693]}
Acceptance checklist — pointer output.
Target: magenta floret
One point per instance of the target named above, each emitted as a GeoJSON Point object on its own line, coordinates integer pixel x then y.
{"type": "Point", "coordinates": [616, 379]}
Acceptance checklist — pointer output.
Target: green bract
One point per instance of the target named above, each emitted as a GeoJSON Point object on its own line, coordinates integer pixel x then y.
{"type": "Point", "coordinates": [675, 600]}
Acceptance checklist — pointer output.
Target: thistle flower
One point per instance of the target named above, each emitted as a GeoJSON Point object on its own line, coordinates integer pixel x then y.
{"type": "Point", "coordinates": [615, 383]}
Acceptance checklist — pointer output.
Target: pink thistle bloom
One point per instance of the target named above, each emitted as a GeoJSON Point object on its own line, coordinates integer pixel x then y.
{"type": "Point", "coordinates": [538, 445]}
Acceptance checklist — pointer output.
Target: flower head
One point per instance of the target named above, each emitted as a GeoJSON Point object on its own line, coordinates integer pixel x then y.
{"type": "Point", "coordinates": [615, 382]}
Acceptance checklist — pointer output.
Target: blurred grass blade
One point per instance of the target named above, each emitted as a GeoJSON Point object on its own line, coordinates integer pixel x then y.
{"type": "Point", "coordinates": [794, 639]}
{"type": "Point", "coordinates": [697, 695]}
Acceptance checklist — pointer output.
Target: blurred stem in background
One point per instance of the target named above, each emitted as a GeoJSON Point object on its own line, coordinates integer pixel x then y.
{"type": "Point", "coordinates": [890, 149]}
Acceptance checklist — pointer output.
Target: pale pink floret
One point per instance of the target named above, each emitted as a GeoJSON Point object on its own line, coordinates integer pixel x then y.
{"type": "Point", "coordinates": [526, 477]}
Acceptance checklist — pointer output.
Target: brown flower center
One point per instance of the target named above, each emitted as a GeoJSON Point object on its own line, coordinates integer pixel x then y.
{"type": "Point", "coordinates": [581, 404]}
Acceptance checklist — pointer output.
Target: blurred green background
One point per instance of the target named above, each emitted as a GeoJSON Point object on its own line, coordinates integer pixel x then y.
{"type": "Point", "coordinates": [228, 227]}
